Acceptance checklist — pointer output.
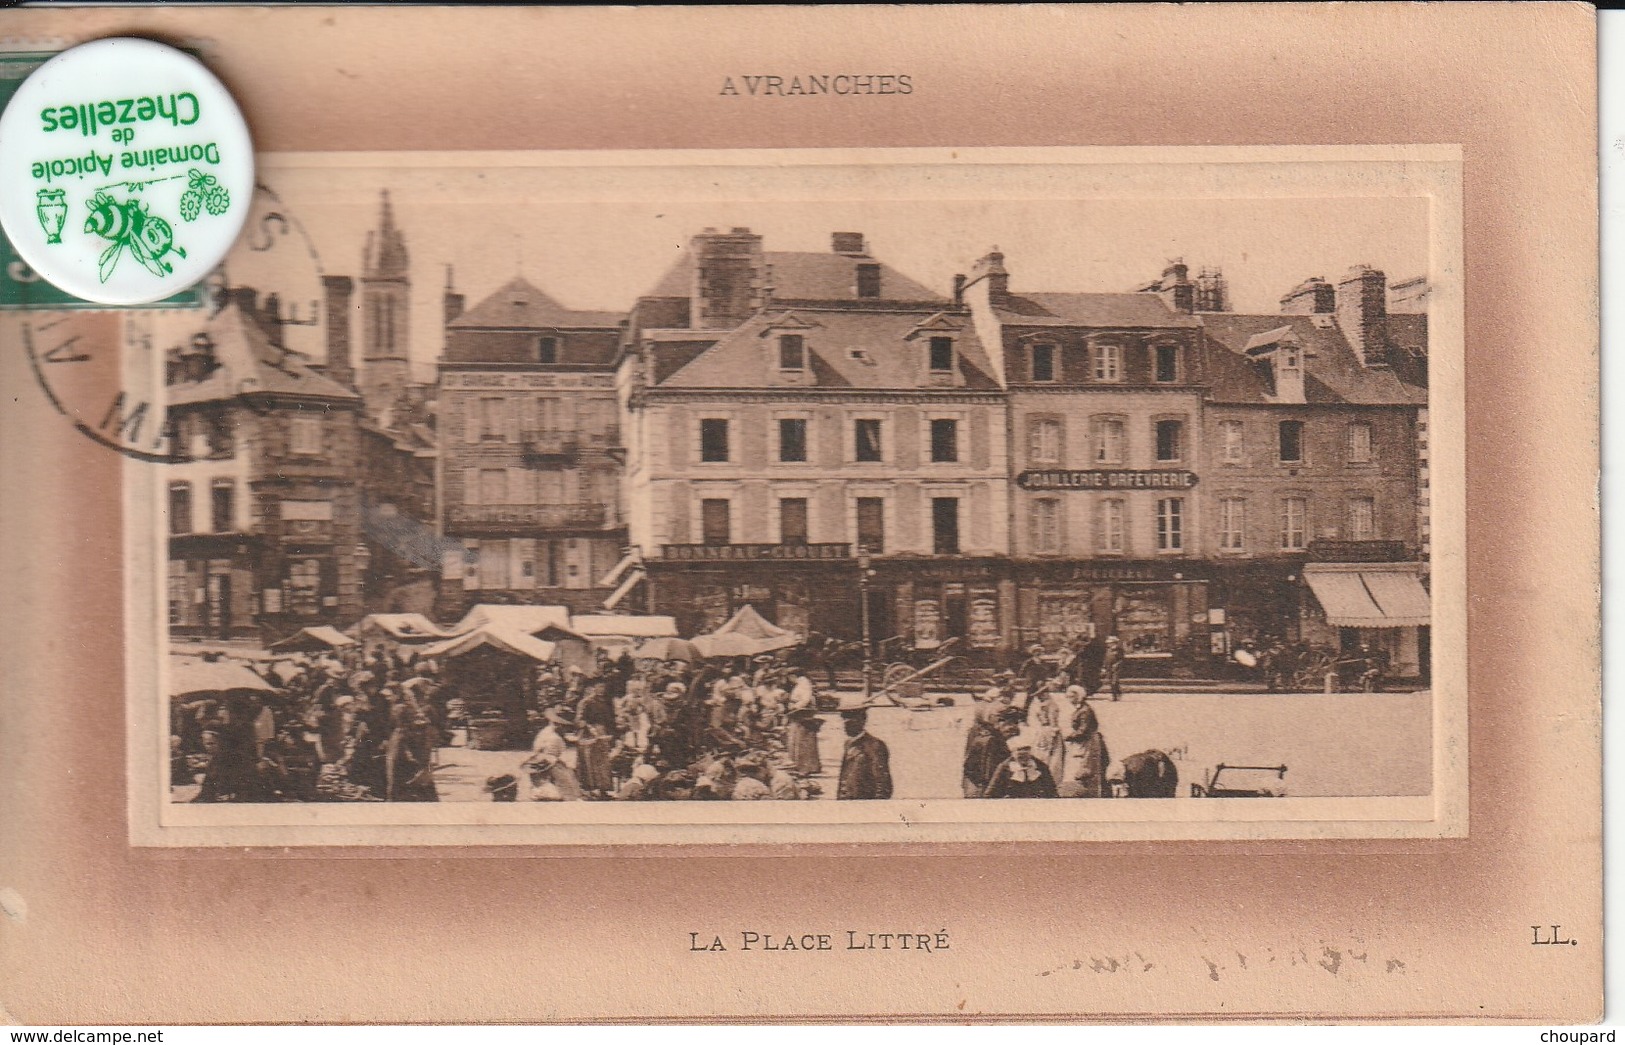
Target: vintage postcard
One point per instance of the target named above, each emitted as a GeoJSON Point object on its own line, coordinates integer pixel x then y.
{"type": "Point", "coordinates": [888, 489]}
{"type": "Point", "coordinates": [561, 482]}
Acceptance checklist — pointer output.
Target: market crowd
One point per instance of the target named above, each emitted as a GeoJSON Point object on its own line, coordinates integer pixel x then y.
{"type": "Point", "coordinates": [354, 725]}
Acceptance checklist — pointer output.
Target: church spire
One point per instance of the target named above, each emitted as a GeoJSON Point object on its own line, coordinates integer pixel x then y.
{"type": "Point", "coordinates": [386, 256]}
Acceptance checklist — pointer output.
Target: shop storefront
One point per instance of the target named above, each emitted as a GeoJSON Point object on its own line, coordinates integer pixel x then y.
{"type": "Point", "coordinates": [1159, 611]}
{"type": "Point", "coordinates": [1380, 607]}
{"type": "Point", "coordinates": [924, 604]}
{"type": "Point", "coordinates": [804, 588]}
{"type": "Point", "coordinates": [211, 587]}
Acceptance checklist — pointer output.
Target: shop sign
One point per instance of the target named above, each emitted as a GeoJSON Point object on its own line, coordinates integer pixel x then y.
{"type": "Point", "coordinates": [927, 623]}
{"type": "Point", "coordinates": [1357, 551]}
{"type": "Point", "coordinates": [984, 619]}
{"type": "Point", "coordinates": [754, 552]}
{"type": "Point", "coordinates": [1106, 479]}
{"type": "Point", "coordinates": [521, 380]}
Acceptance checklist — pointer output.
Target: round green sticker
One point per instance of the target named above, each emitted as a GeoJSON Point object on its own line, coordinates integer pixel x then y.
{"type": "Point", "coordinates": [125, 171]}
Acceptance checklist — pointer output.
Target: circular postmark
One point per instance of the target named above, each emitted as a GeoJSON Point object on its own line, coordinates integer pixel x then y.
{"type": "Point", "coordinates": [173, 385]}
{"type": "Point", "coordinates": [125, 167]}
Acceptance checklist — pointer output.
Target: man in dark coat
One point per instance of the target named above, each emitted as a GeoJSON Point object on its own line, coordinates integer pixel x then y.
{"type": "Point", "coordinates": [986, 748]}
{"type": "Point", "coordinates": [1087, 665]}
{"type": "Point", "coordinates": [866, 765]}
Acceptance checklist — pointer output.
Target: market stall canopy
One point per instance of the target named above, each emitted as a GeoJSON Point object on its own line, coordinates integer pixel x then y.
{"type": "Point", "coordinates": [400, 627]}
{"type": "Point", "coordinates": [527, 619]}
{"type": "Point", "coordinates": [624, 626]}
{"type": "Point", "coordinates": [746, 628]}
{"type": "Point", "coordinates": [194, 676]}
{"type": "Point", "coordinates": [667, 649]}
{"type": "Point", "coordinates": [309, 640]}
{"type": "Point", "coordinates": [1369, 595]}
{"type": "Point", "coordinates": [505, 640]}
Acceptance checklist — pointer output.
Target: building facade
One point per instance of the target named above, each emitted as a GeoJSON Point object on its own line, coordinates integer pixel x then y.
{"type": "Point", "coordinates": [1105, 395]}
{"type": "Point", "coordinates": [531, 455]}
{"type": "Point", "coordinates": [263, 504]}
{"type": "Point", "coordinates": [1311, 472]}
{"type": "Point", "coordinates": [789, 412]}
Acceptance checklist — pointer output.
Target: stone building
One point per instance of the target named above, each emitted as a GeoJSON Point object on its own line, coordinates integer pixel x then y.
{"type": "Point", "coordinates": [264, 507]}
{"type": "Point", "coordinates": [1310, 471]}
{"type": "Point", "coordinates": [530, 451]}
{"type": "Point", "coordinates": [787, 410]}
{"type": "Point", "coordinates": [1105, 396]}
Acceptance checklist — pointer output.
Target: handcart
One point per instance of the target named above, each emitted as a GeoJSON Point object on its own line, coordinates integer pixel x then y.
{"type": "Point", "coordinates": [1213, 789]}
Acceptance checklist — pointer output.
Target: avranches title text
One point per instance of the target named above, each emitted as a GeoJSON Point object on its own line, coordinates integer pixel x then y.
{"type": "Point", "coordinates": [846, 940]}
{"type": "Point", "coordinates": [770, 86]}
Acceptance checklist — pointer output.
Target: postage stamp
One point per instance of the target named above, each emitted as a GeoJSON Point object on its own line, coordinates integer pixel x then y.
{"type": "Point", "coordinates": [895, 495]}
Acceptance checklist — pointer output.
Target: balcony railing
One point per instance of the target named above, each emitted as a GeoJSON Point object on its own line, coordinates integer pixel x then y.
{"type": "Point", "coordinates": [541, 516]}
{"type": "Point", "coordinates": [550, 442]}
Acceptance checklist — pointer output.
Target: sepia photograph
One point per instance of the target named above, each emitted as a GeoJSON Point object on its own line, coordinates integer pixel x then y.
{"type": "Point", "coordinates": [474, 486]}
{"type": "Point", "coordinates": [1088, 509]}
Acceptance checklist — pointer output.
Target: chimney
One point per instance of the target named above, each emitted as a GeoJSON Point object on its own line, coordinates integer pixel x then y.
{"type": "Point", "coordinates": [1313, 295]}
{"type": "Point", "coordinates": [729, 278]}
{"type": "Point", "coordinates": [452, 302]}
{"type": "Point", "coordinates": [959, 290]}
{"type": "Point", "coordinates": [848, 243]}
{"type": "Point", "coordinates": [1288, 363]}
{"type": "Point", "coordinates": [1362, 313]}
{"type": "Point", "coordinates": [339, 365]}
{"type": "Point", "coordinates": [991, 268]}
{"type": "Point", "coordinates": [1175, 287]}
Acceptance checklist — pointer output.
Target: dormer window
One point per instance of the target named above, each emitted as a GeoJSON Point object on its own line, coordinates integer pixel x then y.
{"type": "Point", "coordinates": [1043, 362]}
{"type": "Point", "coordinates": [547, 349]}
{"type": "Point", "coordinates": [1290, 359]}
{"type": "Point", "coordinates": [942, 355]}
{"type": "Point", "coordinates": [1108, 363]}
{"type": "Point", "coordinates": [868, 280]}
{"type": "Point", "coordinates": [792, 352]}
{"type": "Point", "coordinates": [1167, 363]}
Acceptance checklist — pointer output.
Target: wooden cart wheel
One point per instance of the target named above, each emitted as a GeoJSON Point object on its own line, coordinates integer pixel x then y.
{"type": "Point", "coordinates": [896, 673]}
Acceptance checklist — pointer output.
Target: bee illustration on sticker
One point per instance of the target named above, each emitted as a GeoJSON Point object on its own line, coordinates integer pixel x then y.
{"type": "Point", "coordinates": [128, 224]}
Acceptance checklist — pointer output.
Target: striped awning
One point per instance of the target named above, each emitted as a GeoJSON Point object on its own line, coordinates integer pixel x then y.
{"type": "Point", "coordinates": [1369, 596]}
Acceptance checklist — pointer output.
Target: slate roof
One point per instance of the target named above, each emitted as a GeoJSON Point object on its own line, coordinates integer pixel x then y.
{"type": "Point", "coordinates": [1092, 310]}
{"type": "Point", "coordinates": [519, 305]}
{"type": "Point", "coordinates": [250, 364]}
{"type": "Point", "coordinates": [807, 276]}
{"type": "Point", "coordinates": [748, 357]}
{"type": "Point", "coordinates": [1333, 373]}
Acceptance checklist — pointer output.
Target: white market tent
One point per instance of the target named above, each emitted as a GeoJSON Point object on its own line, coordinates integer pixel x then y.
{"type": "Point", "coordinates": [505, 640]}
{"type": "Point", "coordinates": [746, 633]}
{"type": "Point", "coordinates": [527, 619]}
{"type": "Point", "coordinates": [310, 640]}
{"type": "Point", "coordinates": [190, 676]}
{"type": "Point", "coordinates": [610, 631]}
{"type": "Point", "coordinates": [399, 627]}
{"type": "Point", "coordinates": [540, 633]}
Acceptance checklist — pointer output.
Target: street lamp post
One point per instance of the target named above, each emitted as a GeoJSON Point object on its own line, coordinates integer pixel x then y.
{"type": "Point", "coordinates": [864, 572]}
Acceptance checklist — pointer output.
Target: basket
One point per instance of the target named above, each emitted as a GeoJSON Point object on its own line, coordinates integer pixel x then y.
{"type": "Point", "coordinates": [488, 733]}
